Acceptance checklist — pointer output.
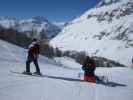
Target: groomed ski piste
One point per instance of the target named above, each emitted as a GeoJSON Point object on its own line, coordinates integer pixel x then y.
{"type": "Point", "coordinates": [61, 81]}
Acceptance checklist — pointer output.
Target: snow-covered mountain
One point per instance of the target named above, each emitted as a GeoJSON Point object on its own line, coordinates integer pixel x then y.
{"type": "Point", "coordinates": [38, 26]}
{"type": "Point", "coordinates": [8, 22]}
{"type": "Point", "coordinates": [105, 30]}
{"type": "Point", "coordinates": [107, 2]}
{"type": "Point", "coordinates": [60, 24]}
{"type": "Point", "coordinates": [61, 79]}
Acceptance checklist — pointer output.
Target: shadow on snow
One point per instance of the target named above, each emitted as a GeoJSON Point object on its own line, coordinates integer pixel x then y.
{"type": "Point", "coordinates": [109, 83]}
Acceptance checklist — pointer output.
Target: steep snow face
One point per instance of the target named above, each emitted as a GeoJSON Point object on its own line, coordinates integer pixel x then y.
{"type": "Point", "coordinates": [38, 25]}
{"type": "Point", "coordinates": [102, 31]}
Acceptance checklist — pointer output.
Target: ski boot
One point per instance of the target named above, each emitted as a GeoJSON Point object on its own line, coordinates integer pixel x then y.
{"type": "Point", "coordinates": [37, 73]}
{"type": "Point", "coordinates": [27, 73]}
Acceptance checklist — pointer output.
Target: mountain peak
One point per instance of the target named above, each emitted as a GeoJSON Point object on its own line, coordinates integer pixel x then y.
{"type": "Point", "coordinates": [40, 19]}
{"type": "Point", "coordinates": [107, 2]}
{"type": "Point", "coordinates": [7, 18]}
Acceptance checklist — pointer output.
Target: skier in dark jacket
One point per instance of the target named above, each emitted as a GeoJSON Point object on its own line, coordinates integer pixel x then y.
{"type": "Point", "coordinates": [33, 54]}
{"type": "Point", "coordinates": [89, 69]}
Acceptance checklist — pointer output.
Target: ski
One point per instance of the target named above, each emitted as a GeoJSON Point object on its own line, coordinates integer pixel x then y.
{"type": "Point", "coordinates": [32, 74]}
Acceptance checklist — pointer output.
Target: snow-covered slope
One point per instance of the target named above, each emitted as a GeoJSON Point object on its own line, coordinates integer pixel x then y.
{"type": "Point", "coordinates": [38, 26]}
{"type": "Point", "coordinates": [61, 81]}
{"type": "Point", "coordinates": [105, 31]}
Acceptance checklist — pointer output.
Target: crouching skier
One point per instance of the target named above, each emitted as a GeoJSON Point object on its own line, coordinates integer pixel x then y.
{"type": "Point", "coordinates": [33, 54]}
{"type": "Point", "coordinates": [89, 70]}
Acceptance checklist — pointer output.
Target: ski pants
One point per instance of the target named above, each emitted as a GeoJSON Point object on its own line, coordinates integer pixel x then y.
{"type": "Point", "coordinates": [89, 78]}
{"type": "Point", "coordinates": [35, 61]}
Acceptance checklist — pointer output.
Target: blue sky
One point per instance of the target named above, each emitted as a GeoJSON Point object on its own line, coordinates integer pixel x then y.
{"type": "Point", "coordinates": [54, 10]}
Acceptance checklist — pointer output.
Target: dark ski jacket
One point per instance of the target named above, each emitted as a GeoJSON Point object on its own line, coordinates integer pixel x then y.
{"type": "Point", "coordinates": [33, 51]}
{"type": "Point", "coordinates": [89, 66]}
